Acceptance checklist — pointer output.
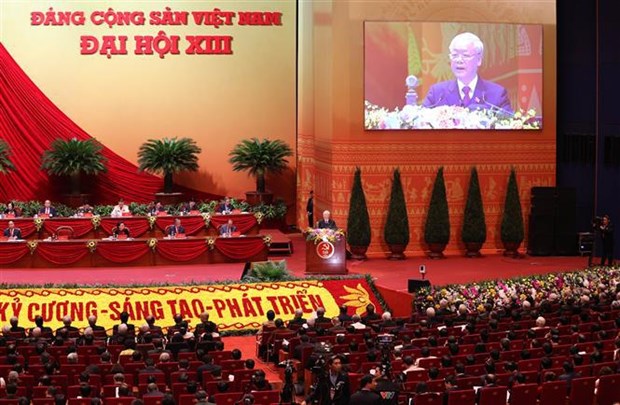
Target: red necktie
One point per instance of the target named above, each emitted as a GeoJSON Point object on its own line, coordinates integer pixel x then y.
{"type": "Point", "coordinates": [466, 96]}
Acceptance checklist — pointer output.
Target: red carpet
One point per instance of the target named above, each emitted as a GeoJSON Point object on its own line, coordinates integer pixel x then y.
{"type": "Point", "coordinates": [124, 275]}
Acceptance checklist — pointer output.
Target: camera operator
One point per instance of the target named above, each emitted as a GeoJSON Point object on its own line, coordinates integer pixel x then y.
{"type": "Point", "coordinates": [607, 236]}
{"type": "Point", "coordinates": [367, 394]}
{"type": "Point", "coordinates": [332, 386]}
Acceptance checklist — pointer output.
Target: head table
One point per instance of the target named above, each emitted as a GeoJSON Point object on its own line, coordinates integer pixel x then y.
{"type": "Point", "coordinates": [139, 226]}
{"type": "Point", "coordinates": [133, 252]}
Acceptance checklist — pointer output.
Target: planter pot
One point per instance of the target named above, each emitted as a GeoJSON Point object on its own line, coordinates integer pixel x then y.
{"type": "Point", "coordinates": [254, 197]}
{"type": "Point", "coordinates": [436, 250]}
{"type": "Point", "coordinates": [77, 200]}
{"type": "Point", "coordinates": [169, 198]}
{"type": "Point", "coordinates": [473, 249]}
{"type": "Point", "coordinates": [358, 252]}
{"type": "Point", "coordinates": [511, 249]}
{"type": "Point", "coordinates": [397, 252]}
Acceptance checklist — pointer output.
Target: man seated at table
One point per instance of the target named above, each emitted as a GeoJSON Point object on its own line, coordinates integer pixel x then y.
{"type": "Point", "coordinates": [48, 210]}
{"type": "Point", "coordinates": [327, 221]}
{"type": "Point", "coordinates": [120, 209]}
{"type": "Point", "coordinates": [228, 228]}
{"type": "Point", "coordinates": [157, 208]}
{"type": "Point", "coordinates": [226, 207]}
{"type": "Point", "coordinates": [121, 231]}
{"type": "Point", "coordinates": [189, 207]}
{"type": "Point", "coordinates": [11, 210]}
{"type": "Point", "coordinates": [176, 229]}
{"type": "Point", "coordinates": [12, 233]}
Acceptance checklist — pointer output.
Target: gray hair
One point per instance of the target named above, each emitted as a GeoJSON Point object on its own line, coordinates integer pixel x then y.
{"type": "Point", "coordinates": [470, 38]}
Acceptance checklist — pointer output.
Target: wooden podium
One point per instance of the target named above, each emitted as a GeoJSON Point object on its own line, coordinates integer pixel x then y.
{"type": "Point", "coordinates": [326, 258]}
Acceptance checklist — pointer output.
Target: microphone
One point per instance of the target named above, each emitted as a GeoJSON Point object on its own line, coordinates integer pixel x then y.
{"type": "Point", "coordinates": [411, 97]}
{"type": "Point", "coordinates": [439, 100]}
{"type": "Point", "coordinates": [496, 108]}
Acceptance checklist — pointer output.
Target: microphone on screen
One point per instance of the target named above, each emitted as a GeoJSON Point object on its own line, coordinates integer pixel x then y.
{"type": "Point", "coordinates": [411, 98]}
{"type": "Point", "coordinates": [496, 108]}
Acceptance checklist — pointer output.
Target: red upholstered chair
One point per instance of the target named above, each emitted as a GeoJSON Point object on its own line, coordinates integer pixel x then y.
{"type": "Point", "coordinates": [493, 396]}
{"type": "Point", "coordinates": [227, 398]}
{"type": "Point", "coordinates": [462, 397]}
{"type": "Point", "coordinates": [185, 399]}
{"type": "Point", "coordinates": [64, 232]}
{"type": "Point", "coordinates": [582, 391]}
{"type": "Point", "coordinates": [43, 401]}
{"type": "Point", "coordinates": [427, 399]}
{"type": "Point", "coordinates": [553, 393]}
{"type": "Point", "coordinates": [152, 400]}
{"type": "Point", "coordinates": [118, 401]}
{"type": "Point", "coordinates": [266, 397]}
{"type": "Point", "coordinates": [524, 394]}
{"type": "Point", "coordinates": [608, 389]}
{"type": "Point", "coordinates": [5, 401]}
{"type": "Point", "coordinates": [79, 401]}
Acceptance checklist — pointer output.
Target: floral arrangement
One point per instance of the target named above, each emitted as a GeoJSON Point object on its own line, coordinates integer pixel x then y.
{"type": "Point", "coordinates": [38, 223]}
{"type": "Point", "coordinates": [582, 285]}
{"type": "Point", "coordinates": [207, 218]}
{"type": "Point", "coordinates": [96, 221]}
{"type": "Point", "coordinates": [324, 234]}
{"type": "Point", "coordinates": [211, 243]}
{"type": "Point", "coordinates": [447, 117]}
{"type": "Point", "coordinates": [91, 245]}
{"type": "Point", "coordinates": [152, 219]}
{"type": "Point", "coordinates": [267, 240]}
{"type": "Point", "coordinates": [152, 243]}
{"type": "Point", "coordinates": [259, 217]}
{"type": "Point", "coordinates": [32, 245]}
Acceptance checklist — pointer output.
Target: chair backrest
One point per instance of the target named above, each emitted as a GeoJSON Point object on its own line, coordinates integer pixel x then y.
{"type": "Point", "coordinates": [608, 389]}
{"type": "Point", "coordinates": [526, 394]}
{"type": "Point", "coordinates": [461, 397]}
{"type": "Point", "coordinates": [427, 399]}
{"type": "Point", "coordinates": [553, 393]}
{"type": "Point", "coordinates": [493, 395]}
{"type": "Point", "coordinates": [227, 398]}
{"type": "Point", "coordinates": [266, 397]}
{"type": "Point", "coordinates": [64, 232]}
{"type": "Point", "coordinates": [118, 401]}
{"type": "Point", "coordinates": [79, 401]}
{"type": "Point", "coordinates": [152, 400]}
{"type": "Point", "coordinates": [185, 399]}
{"type": "Point", "coordinates": [582, 391]}
{"type": "Point", "coordinates": [43, 401]}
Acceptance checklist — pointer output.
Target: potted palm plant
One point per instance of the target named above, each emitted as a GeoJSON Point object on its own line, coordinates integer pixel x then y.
{"type": "Point", "coordinates": [437, 227]}
{"type": "Point", "coordinates": [358, 222]}
{"type": "Point", "coordinates": [5, 162]}
{"type": "Point", "coordinates": [168, 156]}
{"type": "Point", "coordinates": [74, 158]}
{"type": "Point", "coordinates": [396, 231]}
{"type": "Point", "coordinates": [512, 232]}
{"type": "Point", "coordinates": [474, 232]}
{"type": "Point", "coordinates": [259, 158]}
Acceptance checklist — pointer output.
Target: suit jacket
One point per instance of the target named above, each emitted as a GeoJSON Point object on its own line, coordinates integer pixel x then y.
{"type": "Point", "coordinates": [331, 224]}
{"type": "Point", "coordinates": [225, 208]}
{"type": "Point", "coordinates": [173, 230]}
{"type": "Point", "coordinates": [17, 233]}
{"type": "Point", "coordinates": [224, 229]}
{"type": "Point", "coordinates": [487, 95]}
{"type": "Point", "coordinates": [322, 391]}
{"type": "Point", "coordinates": [52, 213]}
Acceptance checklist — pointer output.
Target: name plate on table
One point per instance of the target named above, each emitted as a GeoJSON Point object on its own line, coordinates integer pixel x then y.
{"type": "Point", "coordinates": [127, 214]}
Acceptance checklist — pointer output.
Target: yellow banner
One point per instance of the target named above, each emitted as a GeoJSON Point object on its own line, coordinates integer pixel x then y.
{"type": "Point", "coordinates": [232, 306]}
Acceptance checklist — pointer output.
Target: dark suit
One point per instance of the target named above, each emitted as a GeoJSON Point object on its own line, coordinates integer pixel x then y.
{"type": "Point", "coordinates": [52, 211]}
{"type": "Point", "coordinates": [366, 397]}
{"type": "Point", "coordinates": [322, 391]}
{"type": "Point", "coordinates": [487, 96]}
{"type": "Point", "coordinates": [331, 224]}
{"type": "Point", "coordinates": [224, 229]}
{"type": "Point", "coordinates": [225, 208]}
{"type": "Point", "coordinates": [607, 235]}
{"type": "Point", "coordinates": [15, 233]}
{"type": "Point", "coordinates": [176, 230]}
{"type": "Point", "coordinates": [310, 211]}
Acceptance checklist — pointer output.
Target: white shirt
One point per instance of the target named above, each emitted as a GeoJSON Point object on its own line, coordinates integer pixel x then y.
{"type": "Point", "coordinates": [471, 85]}
{"type": "Point", "coordinates": [118, 211]}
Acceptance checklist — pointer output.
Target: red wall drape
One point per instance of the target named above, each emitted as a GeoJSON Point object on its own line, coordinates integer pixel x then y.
{"type": "Point", "coordinates": [12, 252]}
{"type": "Point", "coordinates": [29, 122]}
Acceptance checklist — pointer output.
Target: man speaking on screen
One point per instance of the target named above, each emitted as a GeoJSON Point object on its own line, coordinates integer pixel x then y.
{"type": "Point", "coordinates": [468, 89]}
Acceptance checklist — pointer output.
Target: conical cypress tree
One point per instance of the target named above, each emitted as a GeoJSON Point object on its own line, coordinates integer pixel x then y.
{"type": "Point", "coordinates": [474, 225]}
{"type": "Point", "coordinates": [437, 228]}
{"type": "Point", "coordinates": [512, 219]}
{"type": "Point", "coordinates": [358, 223]}
{"type": "Point", "coordinates": [396, 231]}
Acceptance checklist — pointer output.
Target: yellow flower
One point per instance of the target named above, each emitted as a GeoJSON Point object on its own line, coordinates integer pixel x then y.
{"type": "Point", "coordinates": [38, 223]}
{"type": "Point", "coordinates": [207, 218]}
{"type": "Point", "coordinates": [152, 243]}
{"type": "Point", "coordinates": [267, 240]}
{"type": "Point", "coordinates": [32, 245]}
{"type": "Point", "coordinates": [211, 243]}
{"type": "Point", "coordinates": [96, 221]}
{"type": "Point", "coordinates": [357, 298]}
{"type": "Point", "coordinates": [259, 217]}
{"type": "Point", "coordinates": [91, 245]}
{"type": "Point", "coordinates": [152, 220]}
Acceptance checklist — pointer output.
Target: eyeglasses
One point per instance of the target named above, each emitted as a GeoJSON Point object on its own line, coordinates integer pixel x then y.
{"type": "Point", "coordinates": [463, 56]}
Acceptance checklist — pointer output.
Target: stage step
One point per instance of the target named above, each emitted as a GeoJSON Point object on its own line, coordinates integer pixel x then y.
{"type": "Point", "coordinates": [281, 248]}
